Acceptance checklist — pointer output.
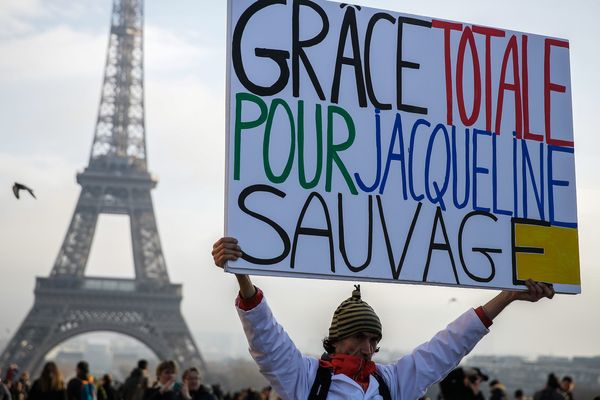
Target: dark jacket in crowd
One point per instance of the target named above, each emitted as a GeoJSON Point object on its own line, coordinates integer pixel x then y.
{"type": "Point", "coordinates": [135, 385]}
{"type": "Point", "coordinates": [36, 393]}
{"type": "Point", "coordinates": [4, 392]}
{"type": "Point", "coordinates": [549, 394]}
{"type": "Point", "coordinates": [452, 387]}
{"type": "Point", "coordinates": [201, 394]}
{"type": "Point", "coordinates": [498, 394]}
{"type": "Point", "coordinates": [153, 393]}
{"type": "Point", "coordinates": [75, 388]}
{"type": "Point", "coordinates": [107, 392]}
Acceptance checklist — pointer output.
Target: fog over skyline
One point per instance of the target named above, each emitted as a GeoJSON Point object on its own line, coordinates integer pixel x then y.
{"type": "Point", "coordinates": [52, 56]}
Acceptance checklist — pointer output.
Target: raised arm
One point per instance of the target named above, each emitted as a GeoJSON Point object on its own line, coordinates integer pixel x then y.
{"type": "Point", "coordinates": [280, 362]}
{"type": "Point", "coordinates": [227, 249]}
{"type": "Point", "coordinates": [413, 374]}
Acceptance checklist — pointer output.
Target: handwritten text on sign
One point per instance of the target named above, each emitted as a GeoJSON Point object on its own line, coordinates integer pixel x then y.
{"type": "Point", "coordinates": [372, 145]}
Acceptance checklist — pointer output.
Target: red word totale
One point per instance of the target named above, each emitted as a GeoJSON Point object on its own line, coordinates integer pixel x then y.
{"type": "Point", "coordinates": [519, 86]}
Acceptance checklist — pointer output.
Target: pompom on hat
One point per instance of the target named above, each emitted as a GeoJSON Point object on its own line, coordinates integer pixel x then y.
{"type": "Point", "coordinates": [353, 316]}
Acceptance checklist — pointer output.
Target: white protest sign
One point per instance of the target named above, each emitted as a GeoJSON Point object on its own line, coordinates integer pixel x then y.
{"type": "Point", "coordinates": [372, 145]}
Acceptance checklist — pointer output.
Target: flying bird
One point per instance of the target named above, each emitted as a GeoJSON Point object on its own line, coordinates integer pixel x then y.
{"type": "Point", "coordinates": [17, 187]}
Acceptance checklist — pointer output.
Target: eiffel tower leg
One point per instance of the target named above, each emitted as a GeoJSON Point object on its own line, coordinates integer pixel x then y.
{"type": "Point", "coordinates": [23, 348]}
{"type": "Point", "coordinates": [147, 251]}
{"type": "Point", "coordinates": [174, 331]}
{"type": "Point", "coordinates": [75, 250]}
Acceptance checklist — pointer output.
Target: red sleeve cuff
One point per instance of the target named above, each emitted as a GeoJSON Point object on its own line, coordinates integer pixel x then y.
{"type": "Point", "coordinates": [485, 320]}
{"type": "Point", "coordinates": [249, 304]}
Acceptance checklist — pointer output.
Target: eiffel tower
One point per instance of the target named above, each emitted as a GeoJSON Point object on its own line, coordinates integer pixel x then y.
{"type": "Point", "coordinates": [116, 181]}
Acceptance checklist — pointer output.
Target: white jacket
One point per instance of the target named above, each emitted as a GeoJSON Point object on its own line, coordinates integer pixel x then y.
{"type": "Point", "coordinates": [292, 375]}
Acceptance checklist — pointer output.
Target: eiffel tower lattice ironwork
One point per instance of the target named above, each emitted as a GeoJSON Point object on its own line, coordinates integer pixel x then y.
{"type": "Point", "coordinates": [116, 181]}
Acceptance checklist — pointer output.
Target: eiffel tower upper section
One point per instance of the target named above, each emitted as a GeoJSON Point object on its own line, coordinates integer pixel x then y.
{"type": "Point", "coordinates": [119, 139]}
{"type": "Point", "coordinates": [116, 180]}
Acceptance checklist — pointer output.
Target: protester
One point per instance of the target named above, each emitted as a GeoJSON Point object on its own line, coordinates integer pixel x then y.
{"type": "Point", "coordinates": [136, 383]}
{"type": "Point", "coordinates": [81, 387]}
{"type": "Point", "coordinates": [551, 391]}
{"type": "Point", "coordinates": [567, 384]}
{"type": "Point", "coordinates": [166, 386]}
{"type": "Point", "coordinates": [192, 389]}
{"type": "Point", "coordinates": [498, 390]}
{"type": "Point", "coordinates": [50, 385]}
{"type": "Point", "coordinates": [354, 334]}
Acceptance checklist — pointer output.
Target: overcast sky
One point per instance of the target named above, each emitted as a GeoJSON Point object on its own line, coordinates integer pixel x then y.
{"type": "Point", "coordinates": [52, 54]}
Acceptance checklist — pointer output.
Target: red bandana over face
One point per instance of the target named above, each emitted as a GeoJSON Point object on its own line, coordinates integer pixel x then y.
{"type": "Point", "coordinates": [356, 368]}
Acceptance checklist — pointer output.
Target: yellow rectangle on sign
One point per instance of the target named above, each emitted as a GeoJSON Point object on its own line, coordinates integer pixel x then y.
{"type": "Point", "coordinates": [558, 261]}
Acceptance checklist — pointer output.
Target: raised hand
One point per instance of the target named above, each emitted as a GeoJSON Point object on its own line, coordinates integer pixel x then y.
{"type": "Point", "coordinates": [535, 292]}
{"type": "Point", "coordinates": [226, 249]}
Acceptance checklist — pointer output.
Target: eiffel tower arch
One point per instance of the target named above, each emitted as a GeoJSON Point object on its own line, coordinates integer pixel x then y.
{"type": "Point", "coordinates": [116, 181]}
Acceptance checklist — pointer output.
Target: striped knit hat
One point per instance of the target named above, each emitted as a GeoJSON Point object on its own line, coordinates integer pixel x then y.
{"type": "Point", "coordinates": [353, 316]}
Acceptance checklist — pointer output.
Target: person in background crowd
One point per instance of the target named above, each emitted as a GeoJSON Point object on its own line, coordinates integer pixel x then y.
{"type": "Point", "coordinates": [105, 390]}
{"type": "Point", "coordinates": [519, 395]}
{"type": "Point", "coordinates": [217, 391]}
{"type": "Point", "coordinates": [268, 393]}
{"type": "Point", "coordinates": [17, 391]}
{"type": "Point", "coordinates": [11, 382]}
{"type": "Point", "coordinates": [498, 390]}
{"type": "Point", "coordinates": [81, 387]}
{"type": "Point", "coordinates": [136, 383]}
{"type": "Point", "coordinates": [551, 391]}
{"type": "Point", "coordinates": [24, 385]}
{"type": "Point", "coordinates": [273, 395]}
{"type": "Point", "coordinates": [250, 394]}
{"type": "Point", "coordinates": [4, 392]}
{"type": "Point", "coordinates": [50, 385]}
{"type": "Point", "coordinates": [567, 384]}
{"type": "Point", "coordinates": [192, 389]}
{"type": "Point", "coordinates": [265, 393]}
{"type": "Point", "coordinates": [166, 386]}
